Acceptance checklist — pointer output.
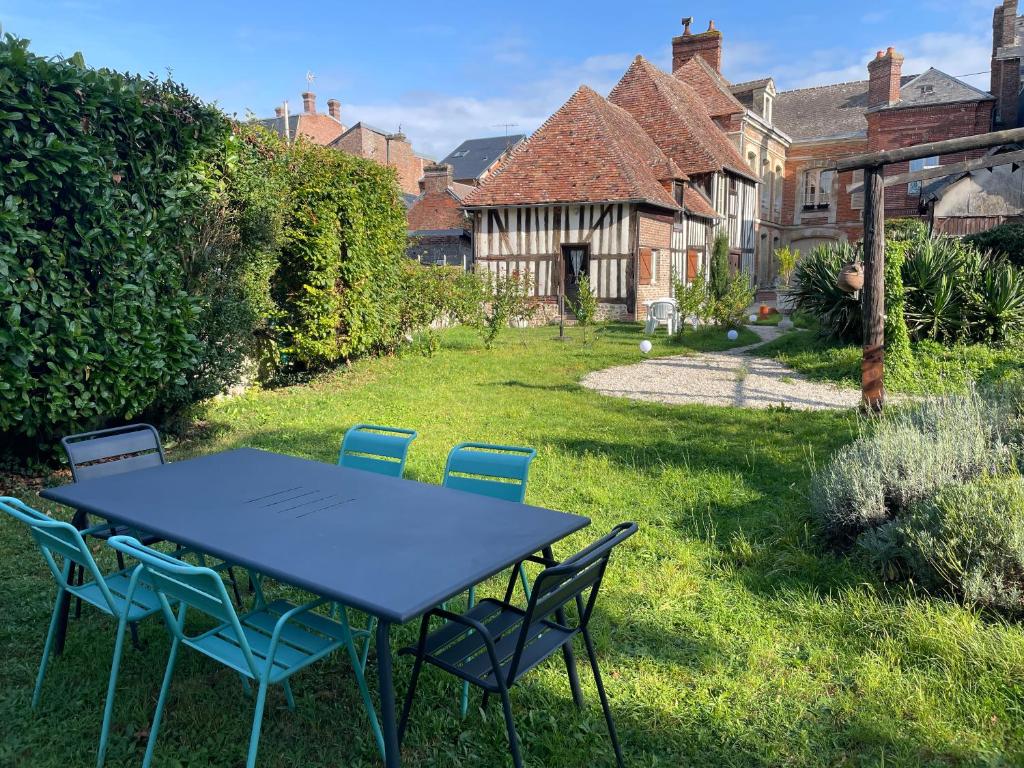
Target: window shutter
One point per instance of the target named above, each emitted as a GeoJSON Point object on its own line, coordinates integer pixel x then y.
{"type": "Point", "coordinates": [692, 264]}
{"type": "Point", "coordinates": [645, 266]}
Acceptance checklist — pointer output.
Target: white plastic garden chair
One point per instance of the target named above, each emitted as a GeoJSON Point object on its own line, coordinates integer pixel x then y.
{"type": "Point", "coordinates": [661, 312]}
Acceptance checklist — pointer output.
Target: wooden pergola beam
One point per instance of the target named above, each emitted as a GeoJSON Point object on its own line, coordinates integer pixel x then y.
{"type": "Point", "coordinates": [932, 149]}
{"type": "Point", "coordinates": [953, 169]}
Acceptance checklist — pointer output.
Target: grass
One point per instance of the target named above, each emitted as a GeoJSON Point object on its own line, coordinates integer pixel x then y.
{"type": "Point", "coordinates": [728, 636]}
{"type": "Point", "coordinates": [935, 368]}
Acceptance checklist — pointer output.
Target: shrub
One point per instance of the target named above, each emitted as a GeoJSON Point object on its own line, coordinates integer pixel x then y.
{"type": "Point", "coordinates": [433, 294]}
{"type": "Point", "coordinates": [720, 270]}
{"type": "Point", "coordinates": [508, 300]}
{"type": "Point", "coordinates": [99, 180]}
{"type": "Point", "coordinates": [1005, 240]}
{"type": "Point", "coordinates": [906, 229]}
{"type": "Point", "coordinates": [585, 306]}
{"type": "Point", "coordinates": [816, 292]}
{"type": "Point", "coordinates": [730, 309]}
{"type": "Point", "coordinates": [787, 259]}
{"type": "Point", "coordinates": [898, 355]}
{"type": "Point", "coordinates": [694, 300]}
{"type": "Point", "coordinates": [968, 540]}
{"type": "Point", "coordinates": [906, 458]}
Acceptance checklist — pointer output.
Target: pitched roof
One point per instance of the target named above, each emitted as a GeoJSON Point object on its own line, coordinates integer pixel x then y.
{"type": "Point", "coordinates": [831, 111]}
{"type": "Point", "coordinates": [697, 203]}
{"type": "Point", "coordinates": [588, 151]}
{"type": "Point", "coordinates": [673, 114]}
{"type": "Point", "coordinates": [474, 156]}
{"type": "Point", "coordinates": [710, 86]}
{"type": "Point", "coordinates": [318, 127]}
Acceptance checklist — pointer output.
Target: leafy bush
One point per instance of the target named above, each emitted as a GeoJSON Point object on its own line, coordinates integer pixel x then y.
{"type": "Point", "coordinates": [1005, 240]}
{"type": "Point", "coordinates": [433, 294]}
{"type": "Point", "coordinates": [585, 306]}
{"type": "Point", "coordinates": [101, 175]}
{"type": "Point", "coordinates": [338, 284]}
{"type": "Point", "coordinates": [969, 540]}
{"type": "Point", "coordinates": [787, 259]}
{"type": "Point", "coordinates": [694, 300]}
{"type": "Point", "coordinates": [730, 309]}
{"type": "Point", "coordinates": [720, 270]}
{"type": "Point", "coordinates": [509, 299]}
{"type": "Point", "coordinates": [905, 229]}
{"type": "Point", "coordinates": [906, 458]}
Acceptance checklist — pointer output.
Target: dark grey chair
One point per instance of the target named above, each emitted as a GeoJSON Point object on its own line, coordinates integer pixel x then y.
{"type": "Point", "coordinates": [493, 645]}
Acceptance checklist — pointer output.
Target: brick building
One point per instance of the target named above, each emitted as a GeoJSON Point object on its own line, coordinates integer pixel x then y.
{"type": "Point", "coordinates": [391, 149]}
{"type": "Point", "coordinates": [439, 232]}
{"type": "Point", "coordinates": [315, 126]}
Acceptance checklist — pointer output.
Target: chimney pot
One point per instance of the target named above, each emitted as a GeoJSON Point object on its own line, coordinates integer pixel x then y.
{"type": "Point", "coordinates": [309, 102]}
{"type": "Point", "coordinates": [334, 109]}
{"type": "Point", "coordinates": [711, 25]}
{"type": "Point", "coordinates": [686, 25]}
{"type": "Point", "coordinates": [706, 44]}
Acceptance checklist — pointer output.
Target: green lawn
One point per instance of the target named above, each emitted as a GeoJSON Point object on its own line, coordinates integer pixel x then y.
{"type": "Point", "coordinates": [728, 636]}
{"type": "Point", "coordinates": [935, 368]}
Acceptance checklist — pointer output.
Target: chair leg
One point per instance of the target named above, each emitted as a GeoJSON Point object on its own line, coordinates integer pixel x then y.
{"type": "Point", "coordinates": [464, 701]}
{"type": "Point", "coordinates": [524, 580]}
{"type": "Point", "coordinates": [417, 667]}
{"type": "Point", "coordinates": [161, 702]}
{"type": "Point", "coordinates": [108, 707]}
{"type": "Point", "coordinates": [257, 723]}
{"type": "Point", "coordinates": [289, 697]}
{"type": "Point", "coordinates": [371, 625]}
{"type": "Point", "coordinates": [357, 670]}
{"type": "Point", "coordinates": [134, 629]}
{"type": "Point", "coordinates": [47, 646]}
{"type": "Point", "coordinates": [234, 586]}
{"type": "Point", "coordinates": [78, 582]}
{"type": "Point", "coordinates": [513, 737]}
{"type": "Point", "coordinates": [592, 655]}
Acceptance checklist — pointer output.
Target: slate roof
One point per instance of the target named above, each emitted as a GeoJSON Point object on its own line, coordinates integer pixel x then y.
{"type": "Point", "coordinates": [673, 114]}
{"type": "Point", "coordinates": [472, 157]}
{"type": "Point", "coordinates": [588, 151]}
{"type": "Point", "coordinates": [710, 86]}
{"type": "Point", "coordinates": [832, 111]}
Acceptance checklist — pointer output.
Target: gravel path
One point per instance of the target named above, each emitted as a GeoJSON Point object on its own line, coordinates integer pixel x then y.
{"type": "Point", "coordinates": [732, 378]}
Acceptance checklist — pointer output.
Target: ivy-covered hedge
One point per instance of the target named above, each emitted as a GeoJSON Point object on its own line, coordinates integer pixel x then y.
{"type": "Point", "coordinates": [98, 183]}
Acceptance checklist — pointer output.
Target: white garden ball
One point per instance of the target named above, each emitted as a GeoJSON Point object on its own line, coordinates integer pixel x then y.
{"type": "Point", "coordinates": [645, 346]}
{"type": "Point", "coordinates": [753, 318]}
{"type": "Point", "coordinates": [733, 335]}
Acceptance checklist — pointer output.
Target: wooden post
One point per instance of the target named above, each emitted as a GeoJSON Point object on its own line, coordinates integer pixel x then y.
{"type": "Point", "coordinates": [873, 362]}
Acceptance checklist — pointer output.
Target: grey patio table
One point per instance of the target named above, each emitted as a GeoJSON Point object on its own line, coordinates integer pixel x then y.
{"type": "Point", "coordinates": [393, 548]}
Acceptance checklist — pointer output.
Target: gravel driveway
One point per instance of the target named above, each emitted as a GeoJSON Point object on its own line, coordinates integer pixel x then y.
{"type": "Point", "coordinates": [732, 378]}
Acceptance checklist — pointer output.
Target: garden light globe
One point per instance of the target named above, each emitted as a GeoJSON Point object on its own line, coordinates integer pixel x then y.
{"type": "Point", "coordinates": [645, 346]}
{"type": "Point", "coordinates": [733, 335]}
{"type": "Point", "coordinates": [753, 318]}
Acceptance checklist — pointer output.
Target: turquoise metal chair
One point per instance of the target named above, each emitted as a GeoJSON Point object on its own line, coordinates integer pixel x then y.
{"type": "Point", "coordinates": [498, 471]}
{"type": "Point", "coordinates": [115, 594]}
{"type": "Point", "coordinates": [266, 645]}
{"type": "Point", "coordinates": [377, 449]}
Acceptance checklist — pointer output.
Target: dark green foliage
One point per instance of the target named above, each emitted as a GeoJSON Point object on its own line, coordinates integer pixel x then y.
{"type": "Point", "coordinates": [936, 298]}
{"type": "Point", "coordinates": [101, 174]}
{"type": "Point", "coordinates": [432, 294]}
{"type": "Point", "coordinates": [817, 293]}
{"type": "Point", "coordinates": [720, 271]}
{"type": "Point", "coordinates": [898, 355]}
{"type": "Point", "coordinates": [1005, 240]}
{"type": "Point", "coordinates": [905, 229]}
{"type": "Point", "coordinates": [997, 309]}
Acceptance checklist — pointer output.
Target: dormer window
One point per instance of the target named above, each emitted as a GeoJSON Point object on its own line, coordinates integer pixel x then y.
{"type": "Point", "coordinates": [927, 89]}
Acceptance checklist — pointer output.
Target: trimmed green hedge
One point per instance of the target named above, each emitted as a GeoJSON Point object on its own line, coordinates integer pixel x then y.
{"type": "Point", "coordinates": [98, 183]}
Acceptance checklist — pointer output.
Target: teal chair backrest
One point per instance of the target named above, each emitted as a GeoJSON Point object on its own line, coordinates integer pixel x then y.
{"type": "Point", "coordinates": [499, 471]}
{"type": "Point", "coordinates": [192, 587]}
{"type": "Point", "coordinates": [56, 538]}
{"type": "Point", "coordinates": [374, 448]}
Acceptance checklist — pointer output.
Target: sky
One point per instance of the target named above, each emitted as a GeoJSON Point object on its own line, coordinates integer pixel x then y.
{"type": "Point", "coordinates": [446, 71]}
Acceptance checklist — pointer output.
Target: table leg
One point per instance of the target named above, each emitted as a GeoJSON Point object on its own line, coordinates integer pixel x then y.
{"type": "Point", "coordinates": [570, 657]}
{"type": "Point", "coordinates": [81, 522]}
{"type": "Point", "coordinates": [389, 726]}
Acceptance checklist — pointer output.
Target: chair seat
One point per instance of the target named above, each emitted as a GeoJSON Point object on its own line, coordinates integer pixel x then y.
{"type": "Point", "coordinates": [144, 602]}
{"type": "Point", "coordinates": [304, 639]}
{"type": "Point", "coordinates": [463, 652]}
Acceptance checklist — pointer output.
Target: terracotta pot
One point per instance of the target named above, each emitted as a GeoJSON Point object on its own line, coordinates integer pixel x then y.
{"type": "Point", "coordinates": [764, 310]}
{"type": "Point", "coordinates": [851, 277]}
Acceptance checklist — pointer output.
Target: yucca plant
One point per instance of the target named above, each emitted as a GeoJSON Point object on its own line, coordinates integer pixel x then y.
{"type": "Point", "coordinates": [816, 292]}
{"type": "Point", "coordinates": [936, 274]}
{"type": "Point", "coordinates": [997, 310]}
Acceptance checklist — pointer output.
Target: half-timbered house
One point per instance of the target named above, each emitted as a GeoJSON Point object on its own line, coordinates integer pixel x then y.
{"type": "Point", "coordinates": [590, 193]}
{"type": "Point", "coordinates": [678, 120]}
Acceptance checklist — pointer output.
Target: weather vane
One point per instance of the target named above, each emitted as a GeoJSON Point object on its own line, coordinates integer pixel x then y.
{"type": "Point", "coordinates": [310, 77]}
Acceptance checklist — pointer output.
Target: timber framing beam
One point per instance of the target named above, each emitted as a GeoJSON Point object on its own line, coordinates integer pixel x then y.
{"type": "Point", "coordinates": [925, 174]}
{"type": "Point", "coordinates": [932, 149]}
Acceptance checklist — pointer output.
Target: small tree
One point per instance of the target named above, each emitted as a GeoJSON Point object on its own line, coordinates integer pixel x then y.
{"type": "Point", "coordinates": [720, 272]}
{"type": "Point", "coordinates": [509, 297]}
{"type": "Point", "coordinates": [585, 306]}
{"type": "Point", "coordinates": [693, 299]}
{"type": "Point", "coordinates": [787, 258]}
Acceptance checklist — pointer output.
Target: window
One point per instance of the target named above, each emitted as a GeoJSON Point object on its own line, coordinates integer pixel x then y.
{"type": "Point", "coordinates": [914, 187]}
{"type": "Point", "coordinates": [778, 193]}
{"type": "Point", "coordinates": [460, 153]}
{"type": "Point", "coordinates": [768, 108]}
{"type": "Point", "coordinates": [818, 189]}
{"type": "Point", "coordinates": [766, 192]}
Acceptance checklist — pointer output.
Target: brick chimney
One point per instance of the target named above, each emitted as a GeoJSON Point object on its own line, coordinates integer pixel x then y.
{"type": "Point", "coordinates": [1006, 62]}
{"type": "Point", "coordinates": [706, 44]}
{"type": "Point", "coordinates": [884, 74]}
{"type": "Point", "coordinates": [437, 177]}
{"type": "Point", "coordinates": [309, 103]}
{"type": "Point", "coordinates": [334, 109]}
